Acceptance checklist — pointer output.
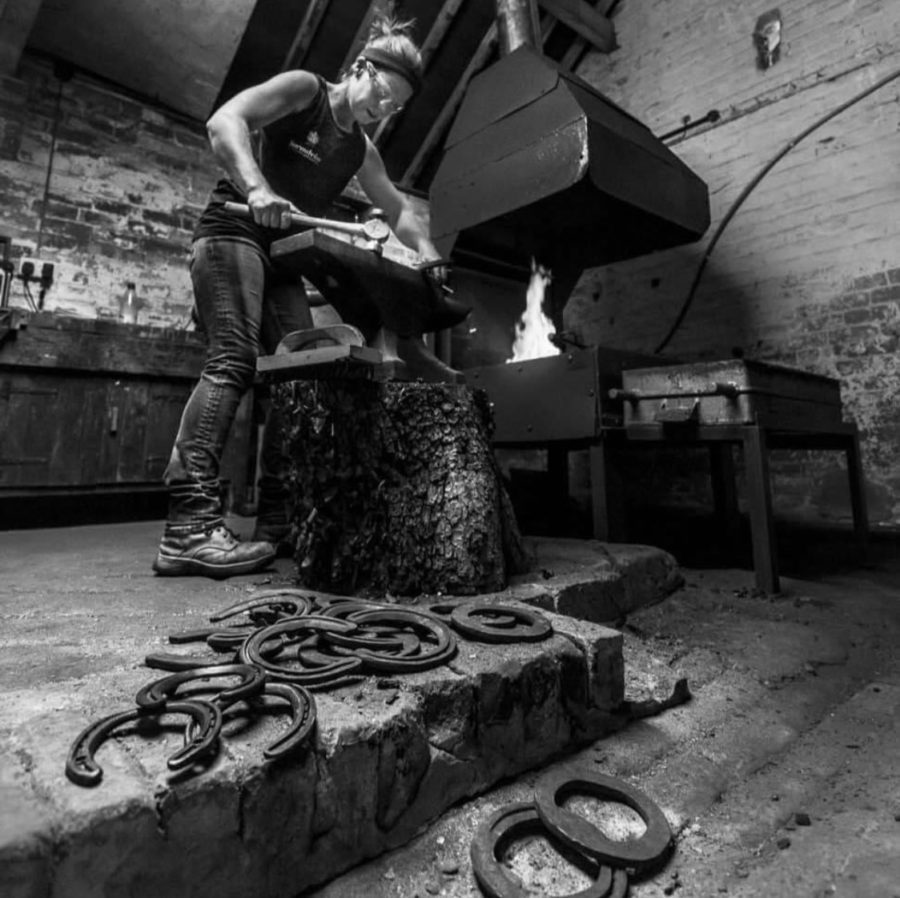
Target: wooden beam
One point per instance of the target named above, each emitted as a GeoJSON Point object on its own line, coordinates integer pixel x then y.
{"type": "Point", "coordinates": [305, 33]}
{"type": "Point", "coordinates": [362, 32]}
{"type": "Point", "coordinates": [586, 21]}
{"type": "Point", "coordinates": [16, 20]}
{"type": "Point", "coordinates": [439, 29]}
{"type": "Point", "coordinates": [441, 123]}
{"type": "Point", "coordinates": [579, 45]}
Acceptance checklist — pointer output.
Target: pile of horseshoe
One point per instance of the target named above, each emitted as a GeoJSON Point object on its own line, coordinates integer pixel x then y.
{"type": "Point", "coordinates": [609, 862]}
{"type": "Point", "coordinates": [283, 645]}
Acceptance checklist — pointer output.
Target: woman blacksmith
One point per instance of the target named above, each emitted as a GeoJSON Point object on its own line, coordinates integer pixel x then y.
{"type": "Point", "coordinates": [291, 143]}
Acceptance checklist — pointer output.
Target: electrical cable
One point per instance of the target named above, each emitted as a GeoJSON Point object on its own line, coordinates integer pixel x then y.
{"type": "Point", "coordinates": [28, 297]}
{"type": "Point", "coordinates": [59, 91]}
{"type": "Point", "coordinates": [752, 186]}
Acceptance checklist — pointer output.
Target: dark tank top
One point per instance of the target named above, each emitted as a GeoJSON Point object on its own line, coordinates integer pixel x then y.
{"type": "Point", "coordinates": [305, 157]}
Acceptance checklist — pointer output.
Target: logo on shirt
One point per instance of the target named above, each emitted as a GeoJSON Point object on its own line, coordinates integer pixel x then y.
{"type": "Point", "coordinates": [307, 152]}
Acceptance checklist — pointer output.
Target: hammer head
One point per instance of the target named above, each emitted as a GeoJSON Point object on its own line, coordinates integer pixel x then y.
{"type": "Point", "coordinates": [377, 230]}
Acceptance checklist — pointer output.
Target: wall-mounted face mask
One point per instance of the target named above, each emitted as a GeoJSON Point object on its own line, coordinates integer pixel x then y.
{"type": "Point", "coordinates": [767, 38]}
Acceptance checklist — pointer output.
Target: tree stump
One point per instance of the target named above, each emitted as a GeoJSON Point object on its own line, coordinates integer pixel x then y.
{"type": "Point", "coordinates": [396, 490]}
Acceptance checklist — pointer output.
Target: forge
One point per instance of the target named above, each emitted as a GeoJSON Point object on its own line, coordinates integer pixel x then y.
{"type": "Point", "coordinates": [539, 164]}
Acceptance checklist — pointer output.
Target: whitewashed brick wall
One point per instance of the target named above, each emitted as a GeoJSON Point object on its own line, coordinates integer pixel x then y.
{"type": "Point", "coordinates": [808, 271]}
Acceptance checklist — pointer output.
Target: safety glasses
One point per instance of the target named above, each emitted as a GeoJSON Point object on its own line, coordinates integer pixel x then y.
{"type": "Point", "coordinates": [382, 90]}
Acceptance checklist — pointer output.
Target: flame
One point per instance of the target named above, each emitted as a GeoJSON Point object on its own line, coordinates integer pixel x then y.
{"type": "Point", "coordinates": [534, 328]}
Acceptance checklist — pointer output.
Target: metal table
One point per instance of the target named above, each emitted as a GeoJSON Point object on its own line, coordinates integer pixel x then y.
{"type": "Point", "coordinates": [755, 441]}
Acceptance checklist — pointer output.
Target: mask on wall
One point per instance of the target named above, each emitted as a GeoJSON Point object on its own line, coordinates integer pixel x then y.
{"type": "Point", "coordinates": [767, 38]}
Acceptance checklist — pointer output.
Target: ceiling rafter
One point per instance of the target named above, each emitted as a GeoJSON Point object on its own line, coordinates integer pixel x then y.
{"type": "Point", "coordinates": [430, 45]}
{"type": "Point", "coordinates": [573, 55]}
{"type": "Point", "coordinates": [586, 21]}
{"type": "Point", "coordinates": [441, 123]}
{"type": "Point", "coordinates": [362, 34]}
{"type": "Point", "coordinates": [305, 33]}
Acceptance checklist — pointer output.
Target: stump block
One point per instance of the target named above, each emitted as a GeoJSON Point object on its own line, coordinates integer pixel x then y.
{"type": "Point", "coordinates": [396, 490]}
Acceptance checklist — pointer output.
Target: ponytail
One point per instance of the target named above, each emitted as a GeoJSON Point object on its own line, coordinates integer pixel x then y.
{"type": "Point", "coordinates": [390, 46]}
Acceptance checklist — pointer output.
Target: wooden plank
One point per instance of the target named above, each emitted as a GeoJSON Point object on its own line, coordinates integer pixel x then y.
{"type": "Point", "coordinates": [296, 53]}
{"type": "Point", "coordinates": [103, 347]}
{"type": "Point", "coordinates": [585, 21]}
{"type": "Point", "coordinates": [313, 363]}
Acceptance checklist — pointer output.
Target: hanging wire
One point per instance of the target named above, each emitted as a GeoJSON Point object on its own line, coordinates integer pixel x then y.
{"type": "Point", "coordinates": [751, 187]}
{"type": "Point", "coordinates": [62, 75]}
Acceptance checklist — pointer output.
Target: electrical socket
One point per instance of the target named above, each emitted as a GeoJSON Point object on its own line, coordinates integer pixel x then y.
{"type": "Point", "coordinates": [31, 269]}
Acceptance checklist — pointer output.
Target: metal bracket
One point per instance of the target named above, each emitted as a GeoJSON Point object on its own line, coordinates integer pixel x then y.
{"type": "Point", "coordinates": [677, 414]}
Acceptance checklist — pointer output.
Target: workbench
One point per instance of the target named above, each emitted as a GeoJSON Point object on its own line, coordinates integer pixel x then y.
{"type": "Point", "coordinates": [89, 413]}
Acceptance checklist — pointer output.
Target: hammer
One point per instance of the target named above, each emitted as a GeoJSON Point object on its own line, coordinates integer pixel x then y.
{"type": "Point", "coordinates": [374, 229]}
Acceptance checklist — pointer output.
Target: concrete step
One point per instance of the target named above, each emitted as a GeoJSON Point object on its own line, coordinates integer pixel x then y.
{"type": "Point", "coordinates": [390, 756]}
{"type": "Point", "coordinates": [596, 581]}
{"type": "Point", "coordinates": [79, 609]}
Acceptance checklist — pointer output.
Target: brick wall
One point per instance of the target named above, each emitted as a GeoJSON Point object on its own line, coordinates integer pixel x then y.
{"type": "Point", "coordinates": [808, 271]}
{"type": "Point", "coordinates": [126, 182]}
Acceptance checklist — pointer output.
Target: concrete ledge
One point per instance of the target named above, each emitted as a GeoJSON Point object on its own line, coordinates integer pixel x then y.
{"type": "Point", "coordinates": [390, 756]}
{"type": "Point", "coordinates": [595, 581]}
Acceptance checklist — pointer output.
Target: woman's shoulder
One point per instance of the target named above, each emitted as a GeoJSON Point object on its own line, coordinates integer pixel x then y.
{"type": "Point", "coordinates": [300, 81]}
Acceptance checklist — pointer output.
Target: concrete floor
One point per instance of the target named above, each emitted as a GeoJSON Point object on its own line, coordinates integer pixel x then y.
{"type": "Point", "coordinates": [795, 712]}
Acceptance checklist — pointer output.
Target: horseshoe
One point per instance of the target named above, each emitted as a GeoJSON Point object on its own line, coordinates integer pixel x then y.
{"type": "Point", "coordinates": [502, 828]}
{"type": "Point", "coordinates": [444, 611]}
{"type": "Point", "coordinates": [172, 662]}
{"type": "Point", "coordinates": [489, 623]}
{"type": "Point", "coordinates": [637, 854]}
{"type": "Point", "coordinates": [220, 639]}
{"type": "Point", "coordinates": [303, 710]}
{"type": "Point", "coordinates": [287, 600]}
{"type": "Point", "coordinates": [303, 717]}
{"type": "Point", "coordinates": [82, 768]}
{"type": "Point", "coordinates": [251, 651]}
{"type": "Point", "coordinates": [427, 658]}
{"type": "Point", "coordinates": [155, 695]}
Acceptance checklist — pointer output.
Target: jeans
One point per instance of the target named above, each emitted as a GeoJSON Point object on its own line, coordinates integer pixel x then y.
{"type": "Point", "coordinates": [243, 308]}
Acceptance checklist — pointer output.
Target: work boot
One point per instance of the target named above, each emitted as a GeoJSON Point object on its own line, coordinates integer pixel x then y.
{"type": "Point", "coordinates": [213, 552]}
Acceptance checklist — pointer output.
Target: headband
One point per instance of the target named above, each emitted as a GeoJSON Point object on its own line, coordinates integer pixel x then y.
{"type": "Point", "coordinates": [393, 63]}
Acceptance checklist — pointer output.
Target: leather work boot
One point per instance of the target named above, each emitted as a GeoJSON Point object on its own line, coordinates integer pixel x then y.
{"type": "Point", "coordinates": [214, 552]}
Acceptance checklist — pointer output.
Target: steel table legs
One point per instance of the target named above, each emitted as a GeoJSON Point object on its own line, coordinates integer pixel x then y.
{"type": "Point", "coordinates": [759, 506]}
{"type": "Point", "coordinates": [756, 440]}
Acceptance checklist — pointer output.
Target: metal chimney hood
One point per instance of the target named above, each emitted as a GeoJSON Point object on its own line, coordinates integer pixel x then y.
{"type": "Point", "coordinates": [538, 163]}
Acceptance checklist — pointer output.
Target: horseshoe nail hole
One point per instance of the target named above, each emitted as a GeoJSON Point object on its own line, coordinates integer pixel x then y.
{"type": "Point", "coordinates": [544, 870]}
{"type": "Point", "coordinates": [613, 819]}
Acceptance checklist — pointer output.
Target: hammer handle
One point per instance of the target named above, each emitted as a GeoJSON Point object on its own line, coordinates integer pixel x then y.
{"type": "Point", "coordinates": [298, 218]}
